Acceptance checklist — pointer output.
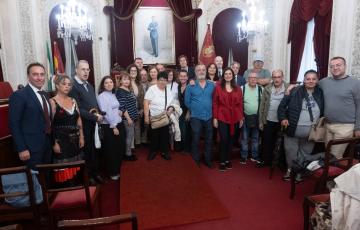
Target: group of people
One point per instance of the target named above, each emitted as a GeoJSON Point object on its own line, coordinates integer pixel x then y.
{"type": "Point", "coordinates": [185, 104]}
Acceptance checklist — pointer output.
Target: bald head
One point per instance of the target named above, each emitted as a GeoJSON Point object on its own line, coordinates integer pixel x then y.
{"type": "Point", "coordinates": [219, 62]}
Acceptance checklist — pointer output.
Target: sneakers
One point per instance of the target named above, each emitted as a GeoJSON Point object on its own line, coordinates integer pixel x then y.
{"type": "Point", "coordinates": [242, 161]}
{"type": "Point", "coordinates": [286, 177]}
{"type": "Point", "coordinates": [115, 177]}
{"type": "Point", "coordinates": [228, 165]}
{"type": "Point", "coordinates": [256, 160]}
{"type": "Point", "coordinates": [222, 168]}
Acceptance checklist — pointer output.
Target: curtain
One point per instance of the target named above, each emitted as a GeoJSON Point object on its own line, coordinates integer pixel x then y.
{"type": "Point", "coordinates": [120, 27]}
{"type": "Point", "coordinates": [1, 73]}
{"type": "Point", "coordinates": [322, 37]}
{"type": "Point", "coordinates": [185, 21]}
{"type": "Point", "coordinates": [303, 11]}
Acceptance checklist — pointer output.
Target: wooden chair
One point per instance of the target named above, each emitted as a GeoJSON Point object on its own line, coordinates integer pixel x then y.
{"type": "Point", "coordinates": [12, 227]}
{"type": "Point", "coordinates": [12, 214]}
{"type": "Point", "coordinates": [310, 202]}
{"type": "Point", "coordinates": [58, 200]}
{"type": "Point", "coordinates": [332, 169]}
{"type": "Point", "coordinates": [108, 220]}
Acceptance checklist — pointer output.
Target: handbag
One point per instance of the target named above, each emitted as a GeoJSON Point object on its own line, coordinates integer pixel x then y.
{"type": "Point", "coordinates": [160, 120]}
{"type": "Point", "coordinates": [318, 130]}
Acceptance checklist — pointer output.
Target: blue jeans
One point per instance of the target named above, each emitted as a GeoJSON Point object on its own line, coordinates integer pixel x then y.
{"type": "Point", "coordinates": [253, 135]}
{"type": "Point", "coordinates": [197, 126]}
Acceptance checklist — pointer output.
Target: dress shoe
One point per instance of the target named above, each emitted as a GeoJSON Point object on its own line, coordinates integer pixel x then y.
{"type": "Point", "coordinates": [209, 164]}
{"type": "Point", "coordinates": [99, 179]}
{"type": "Point", "coordinates": [92, 182]}
{"type": "Point", "coordinates": [166, 156]}
{"type": "Point", "coordinates": [151, 156]}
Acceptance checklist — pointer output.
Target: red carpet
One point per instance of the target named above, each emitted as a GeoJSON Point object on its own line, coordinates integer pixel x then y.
{"type": "Point", "coordinates": [167, 193]}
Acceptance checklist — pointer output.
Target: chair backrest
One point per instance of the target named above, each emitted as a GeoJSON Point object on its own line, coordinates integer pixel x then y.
{"type": "Point", "coordinates": [5, 90]}
{"type": "Point", "coordinates": [348, 155]}
{"type": "Point", "coordinates": [9, 213]}
{"type": "Point", "coordinates": [47, 184]}
{"type": "Point", "coordinates": [4, 121]}
{"type": "Point", "coordinates": [102, 221]}
{"type": "Point", "coordinates": [12, 227]}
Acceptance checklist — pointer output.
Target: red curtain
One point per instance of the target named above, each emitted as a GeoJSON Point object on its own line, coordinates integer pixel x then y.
{"type": "Point", "coordinates": [185, 20]}
{"type": "Point", "coordinates": [302, 12]}
{"type": "Point", "coordinates": [121, 26]}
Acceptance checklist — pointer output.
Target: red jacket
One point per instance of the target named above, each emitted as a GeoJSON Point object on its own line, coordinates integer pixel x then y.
{"type": "Point", "coordinates": [228, 107]}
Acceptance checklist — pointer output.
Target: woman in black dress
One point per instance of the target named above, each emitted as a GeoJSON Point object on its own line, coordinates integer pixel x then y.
{"type": "Point", "coordinates": [67, 129]}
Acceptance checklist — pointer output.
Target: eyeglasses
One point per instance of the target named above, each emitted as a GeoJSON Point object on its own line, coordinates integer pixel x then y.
{"type": "Point", "coordinates": [86, 70]}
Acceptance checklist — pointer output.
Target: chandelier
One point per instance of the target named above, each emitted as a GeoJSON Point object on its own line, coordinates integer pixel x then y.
{"type": "Point", "coordinates": [252, 24]}
{"type": "Point", "coordinates": [74, 22]}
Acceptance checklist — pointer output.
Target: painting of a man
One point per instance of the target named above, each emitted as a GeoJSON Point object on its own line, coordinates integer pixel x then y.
{"type": "Point", "coordinates": [154, 36]}
{"type": "Point", "coordinates": [153, 26]}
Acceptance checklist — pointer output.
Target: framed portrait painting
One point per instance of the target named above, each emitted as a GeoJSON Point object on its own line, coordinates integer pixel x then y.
{"type": "Point", "coordinates": [154, 37]}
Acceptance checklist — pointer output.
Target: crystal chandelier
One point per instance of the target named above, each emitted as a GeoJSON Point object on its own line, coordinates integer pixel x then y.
{"type": "Point", "coordinates": [252, 24]}
{"type": "Point", "coordinates": [74, 22]}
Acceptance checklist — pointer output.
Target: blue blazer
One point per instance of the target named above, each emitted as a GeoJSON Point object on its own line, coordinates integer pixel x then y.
{"type": "Point", "coordinates": [240, 80]}
{"type": "Point", "coordinates": [26, 121]}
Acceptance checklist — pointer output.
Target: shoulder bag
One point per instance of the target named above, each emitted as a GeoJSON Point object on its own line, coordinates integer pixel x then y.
{"type": "Point", "coordinates": [160, 120]}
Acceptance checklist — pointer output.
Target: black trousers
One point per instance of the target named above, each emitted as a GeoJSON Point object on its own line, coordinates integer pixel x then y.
{"type": "Point", "coordinates": [113, 148]}
{"type": "Point", "coordinates": [91, 160]}
{"type": "Point", "coordinates": [270, 132]}
{"type": "Point", "coordinates": [159, 139]}
{"type": "Point", "coordinates": [226, 140]}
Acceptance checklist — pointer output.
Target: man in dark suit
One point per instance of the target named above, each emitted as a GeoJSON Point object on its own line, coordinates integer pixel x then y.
{"type": "Point", "coordinates": [240, 80]}
{"type": "Point", "coordinates": [183, 63]}
{"type": "Point", "coordinates": [219, 64]}
{"type": "Point", "coordinates": [84, 94]}
{"type": "Point", "coordinates": [29, 119]}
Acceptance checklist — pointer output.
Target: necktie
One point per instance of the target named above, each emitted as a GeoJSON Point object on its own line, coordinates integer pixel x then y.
{"type": "Point", "coordinates": [85, 86]}
{"type": "Point", "coordinates": [46, 112]}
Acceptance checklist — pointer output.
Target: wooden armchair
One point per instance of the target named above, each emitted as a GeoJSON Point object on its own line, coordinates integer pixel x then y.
{"type": "Point", "coordinates": [332, 169]}
{"type": "Point", "coordinates": [12, 214]}
{"type": "Point", "coordinates": [310, 202]}
{"type": "Point", "coordinates": [108, 220]}
{"type": "Point", "coordinates": [57, 200]}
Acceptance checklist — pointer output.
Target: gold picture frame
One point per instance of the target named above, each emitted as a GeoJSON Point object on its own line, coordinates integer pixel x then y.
{"type": "Point", "coordinates": [154, 35]}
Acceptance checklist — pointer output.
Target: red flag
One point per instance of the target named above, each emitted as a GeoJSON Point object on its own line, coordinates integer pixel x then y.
{"type": "Point", "coordinates": [207, 54]}
{"type": "Point", "coordinates": [58, 63]}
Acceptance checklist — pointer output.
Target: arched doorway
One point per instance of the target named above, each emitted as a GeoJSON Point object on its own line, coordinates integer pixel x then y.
{"type": "Point", "coordinates": [224, 35]}
{"type": "Point", "coordinates": [83, 49]}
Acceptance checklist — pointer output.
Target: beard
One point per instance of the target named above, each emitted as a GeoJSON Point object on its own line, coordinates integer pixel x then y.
{"type": "Point", "coordinates": [201, 77]}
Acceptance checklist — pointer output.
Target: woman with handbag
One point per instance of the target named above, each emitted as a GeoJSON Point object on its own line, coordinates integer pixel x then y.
{"type": "Point", "coordinates": [298, 112]}
{"type": "Point", "coordinates": [228, 114]}
{"type": "Point", "coordinates": [157, 100]}
{"type": "Point", "coordinates": [67, 130]}
{"type": "Point", "coordinates": [113, 143]}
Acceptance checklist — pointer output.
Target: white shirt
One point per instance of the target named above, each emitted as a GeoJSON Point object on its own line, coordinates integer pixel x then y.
{"type": "Point", "coordinates": [36, 90]}
{"type": "Point", "coordinates": [156, 98]}
{"type": "Point", "coordinates": [174, 89]}
{"type": "Point", "coordinates": [81, 82]}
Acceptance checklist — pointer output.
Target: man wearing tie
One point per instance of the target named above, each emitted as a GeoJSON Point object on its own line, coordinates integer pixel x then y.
{"type": "Point", "coordinates": [219, 64]}
{"type": "Point", "coordinates": [240, 80]}
{"type": "Point", "coordinates": [29, 119]}
{"type": "Point", "coordinates": [84, 95]}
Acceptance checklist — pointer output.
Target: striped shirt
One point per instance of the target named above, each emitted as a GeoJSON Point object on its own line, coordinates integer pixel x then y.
{"type": "Point", "coordinates": [127, 102]}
